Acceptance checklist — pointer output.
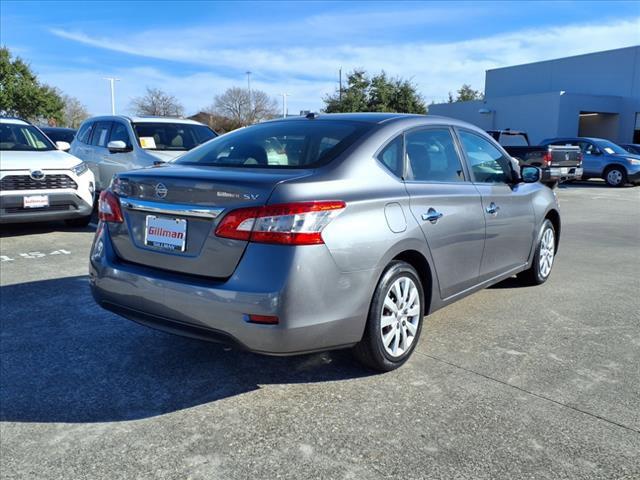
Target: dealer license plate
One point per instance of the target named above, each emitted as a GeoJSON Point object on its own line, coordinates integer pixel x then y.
{"type": "Point", "coordinates": [35, 201]}
{"type": "Point", "coordinates": [166, 233]}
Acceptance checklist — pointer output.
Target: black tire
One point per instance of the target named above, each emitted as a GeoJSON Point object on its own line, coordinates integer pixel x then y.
{"type": "Point", "coordinates": [371, 351]}
{"type": "Point", "coordinates": [615, 176]}
{"type": "Point", "coordinates": [78, 222]}
{"type": "Point", "coordinates": [534, 275]}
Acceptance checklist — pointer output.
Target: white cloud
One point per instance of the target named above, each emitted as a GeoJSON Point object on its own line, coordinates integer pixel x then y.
{"type": "Point", "coordinates": [309, 72]}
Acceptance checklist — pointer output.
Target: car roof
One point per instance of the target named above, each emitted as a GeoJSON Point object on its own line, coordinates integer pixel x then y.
{"type": "Point", "coordinates": [379, 118]}
{"type": "Point", "coordinates": [142, 119]}
{"type": "Point", "coordinates": [590, 139]}
{"type": "Point", "coordinates": [14, 121]}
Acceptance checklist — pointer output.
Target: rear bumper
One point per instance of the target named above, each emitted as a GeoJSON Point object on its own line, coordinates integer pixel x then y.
{"type": "Point", "coordinates": [561, 174]}
{"type": "Point", "coordinates": [318, 307]}
{"type": "Point", "coordinates": [62, 206]}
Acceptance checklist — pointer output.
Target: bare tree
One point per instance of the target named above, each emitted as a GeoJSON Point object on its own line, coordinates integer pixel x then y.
{"type": "Point", "coordinates": [242, 109]}
{"type": "Point", "coordinates": [157, 103]}
{"type": "Point", "coordinates": [74, 113]}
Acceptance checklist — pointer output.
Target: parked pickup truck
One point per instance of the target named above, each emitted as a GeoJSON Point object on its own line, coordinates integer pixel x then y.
{"type": "Point", "coordinates": [558, 163]}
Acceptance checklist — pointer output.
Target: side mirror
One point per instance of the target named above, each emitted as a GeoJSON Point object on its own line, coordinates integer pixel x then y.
{"type": "Point", "coordinates": [64, 146]}
{"type": "Point", "coordinates": [530, 174]}
{"type": "Point", "coordinates": [116, 146]}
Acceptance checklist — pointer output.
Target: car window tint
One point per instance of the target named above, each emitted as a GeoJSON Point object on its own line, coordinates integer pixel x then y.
{"type": "Point", "coordinates": [171, 136]}
{"type": "Point", "coordinates": [432, 156]}
{"type": "Point", "coordinates": [84, 132]}
{"type": "Point", "coordinates": [100, 135]}
{"type": "Point", "coordinates": [119, 132]}
{"type": "Point", "coordinates": [23, 138]}
{"type": "Point", "coordinates": [487, 163]}
{"type": "Point", "coordinates": [291, 144]}
{"type": "Point", "coordinates": [391, 156]}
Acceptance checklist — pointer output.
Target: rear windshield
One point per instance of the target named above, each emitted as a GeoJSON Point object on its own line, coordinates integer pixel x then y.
{"type": "Point", "coordinates": [287, 144]}
{"type": "Point", "coordinates": [59, 135]}
{"type": "Point", "coordinates": [513, 140]}
{"type": "Point", "coordinates": [171, 136]}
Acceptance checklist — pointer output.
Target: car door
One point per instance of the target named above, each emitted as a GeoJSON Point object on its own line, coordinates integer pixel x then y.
{"type": "Point", "coordinates": [592, 158]}
{"type": "Point", "coordinates": [112, 162]}
{"type": "Point", "coordinates": [99, 140]}
{"type": "Point", "coordinates": [447, 206]}
{"type": "Point", "coordinates": [507, 207]}
{"type": "Point", "coordinates": [80, 145]}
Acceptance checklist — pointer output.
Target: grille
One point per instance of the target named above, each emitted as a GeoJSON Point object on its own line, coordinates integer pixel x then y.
{"type": "Point", "coordinates": [50, 208]}
{"type": "Point", "coordinates": [25, 182]}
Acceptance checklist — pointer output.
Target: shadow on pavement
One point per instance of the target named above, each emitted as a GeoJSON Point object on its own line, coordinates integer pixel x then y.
{"type": "Point", "coordinates": [66, 360]}
{"type": "Point", "coordinates": [20, 229]}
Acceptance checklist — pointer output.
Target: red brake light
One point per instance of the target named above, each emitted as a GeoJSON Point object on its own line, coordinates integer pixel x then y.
{"type": "Point", "coordinates": [546, 158]}
{"type": "Point", "coordinates": [286, 223]}
{"type": "Point", "coordinates": [109, 207]}
{"type": "Point", "coordinates": [264, 319]}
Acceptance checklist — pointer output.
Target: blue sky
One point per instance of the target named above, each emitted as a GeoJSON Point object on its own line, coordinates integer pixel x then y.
{"type": "Point", "coordinates": [195, 50]}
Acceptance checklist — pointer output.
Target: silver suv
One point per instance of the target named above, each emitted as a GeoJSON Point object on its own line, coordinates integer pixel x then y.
{"type": "Point", "coordinates": [323, 232]}
{"type": "Point", "coordinates": [114, 144]}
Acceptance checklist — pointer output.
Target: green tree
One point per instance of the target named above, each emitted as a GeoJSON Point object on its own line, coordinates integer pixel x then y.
{"type": "Point", "coordinates": [376, 94]}
{"type": "Point", "coordinates": [22, 95]}
{"type": "Point", "coordinates": [465, 94]}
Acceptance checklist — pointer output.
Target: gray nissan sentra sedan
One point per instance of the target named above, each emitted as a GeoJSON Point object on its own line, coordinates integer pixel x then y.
{"type": "Point", "coordinates": [321, 232]}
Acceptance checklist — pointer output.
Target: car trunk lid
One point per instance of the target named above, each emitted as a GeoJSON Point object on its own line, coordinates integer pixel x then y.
{"type": "Point", "coordinates": [171, 213]}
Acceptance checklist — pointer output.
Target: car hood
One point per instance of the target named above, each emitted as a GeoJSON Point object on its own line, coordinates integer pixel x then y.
{"type": "Point", "coordinates": [166, 155]}
{"type": "Point", "coordinates": [46, 160]}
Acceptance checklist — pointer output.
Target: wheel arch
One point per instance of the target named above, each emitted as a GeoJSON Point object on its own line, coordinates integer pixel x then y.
{"type": "Point", "coordinates": [418, 261]}
{"type": "Point", "coordinates": [613, 165]}
{"type": "Point", "coordinates": [554, 217]}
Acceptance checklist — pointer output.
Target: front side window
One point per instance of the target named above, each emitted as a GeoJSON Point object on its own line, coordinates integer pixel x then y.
{"type": "Point", "coordinates": [119, 132]}
{"type": "Point", "coordinates": [287, 144]}
{"type": "Point", "coordinates": [18, 137]}
{"type": "Point", "coordinates": [487, 163]}
{"type": "Point", "coordinates": [100, 136]}
{"type": "Point", "coordinates": [432, 156]}
{"type": "Point", "coordinates": [391, 156]}
{"type": "Point", "coordinates": [171, 136]}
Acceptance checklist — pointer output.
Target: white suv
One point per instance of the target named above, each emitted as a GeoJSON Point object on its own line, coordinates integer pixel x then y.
{"type": "Point", "coordinates": [40, 182]}
{"type": "Point", "coordinates": [116, 143]}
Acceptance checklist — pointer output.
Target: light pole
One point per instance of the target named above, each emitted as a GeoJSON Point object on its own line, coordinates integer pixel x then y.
{"type": "Point", "coordinates": [284, 104]}
{"type": "Point", "coordinates": [112, 82]}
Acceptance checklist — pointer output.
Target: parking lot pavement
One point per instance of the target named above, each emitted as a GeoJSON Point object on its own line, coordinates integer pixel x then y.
{"type": "Point", "coordinates": [538, 382]}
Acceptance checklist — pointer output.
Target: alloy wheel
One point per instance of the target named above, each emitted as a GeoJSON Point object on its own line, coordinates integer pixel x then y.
{"type": "Point", "coordinates": [547, 251]}
{"type": "Point", "coordinates": [400, 317]}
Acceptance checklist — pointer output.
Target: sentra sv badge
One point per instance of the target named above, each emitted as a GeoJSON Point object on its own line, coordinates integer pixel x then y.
{"type": "Point", "coordinates": [161, 190]}
{"type": "Point", "coordinates": [37, 175]}
{"type": "Point", "coordinates": [250, 196]}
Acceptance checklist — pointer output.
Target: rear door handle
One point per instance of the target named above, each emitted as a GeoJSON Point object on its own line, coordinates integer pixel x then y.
{"type": "Point", "coordinates": [492, 209]}
{"type": "Point", "coordinates": [432, 215]}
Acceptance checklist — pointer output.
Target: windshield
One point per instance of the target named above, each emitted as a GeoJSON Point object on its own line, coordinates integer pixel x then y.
{"type": "Point", "coordinates": [171, 136]}
{"type": "Point", "coordinates": [288, 144]}
{"type": "Point", "coordinates": [611, 148]}
{"type": "Point", "coordinates": [25, 138]}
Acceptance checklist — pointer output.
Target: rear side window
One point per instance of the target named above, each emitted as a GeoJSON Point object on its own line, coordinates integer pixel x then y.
{"type": "Point", "coordinates": [285, 144]}
{"type": "Point", "coordinates": [100, 136]}
{"type": "Point", "coordinates": [84, 134]}
{"type": "Point", "coordinates": [432, 156]}
{"type": "Point", "coordinates": [487, 163]}
{"type": "Point", "coordinates": [391, 156]}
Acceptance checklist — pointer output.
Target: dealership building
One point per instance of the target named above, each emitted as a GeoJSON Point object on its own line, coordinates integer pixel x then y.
{"type": "Point", "coordinates": [592, 95]}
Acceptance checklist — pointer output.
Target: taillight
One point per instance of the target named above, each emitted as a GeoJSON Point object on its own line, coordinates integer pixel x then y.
{"type": "Point", "coordinates": [546, 158]}
{"type": "Point", "coordinates": [579, 158]}
{"type": "Point", "coordinates": [286, 223]}
{"type": "Point", "coordinates": [109, 207]}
